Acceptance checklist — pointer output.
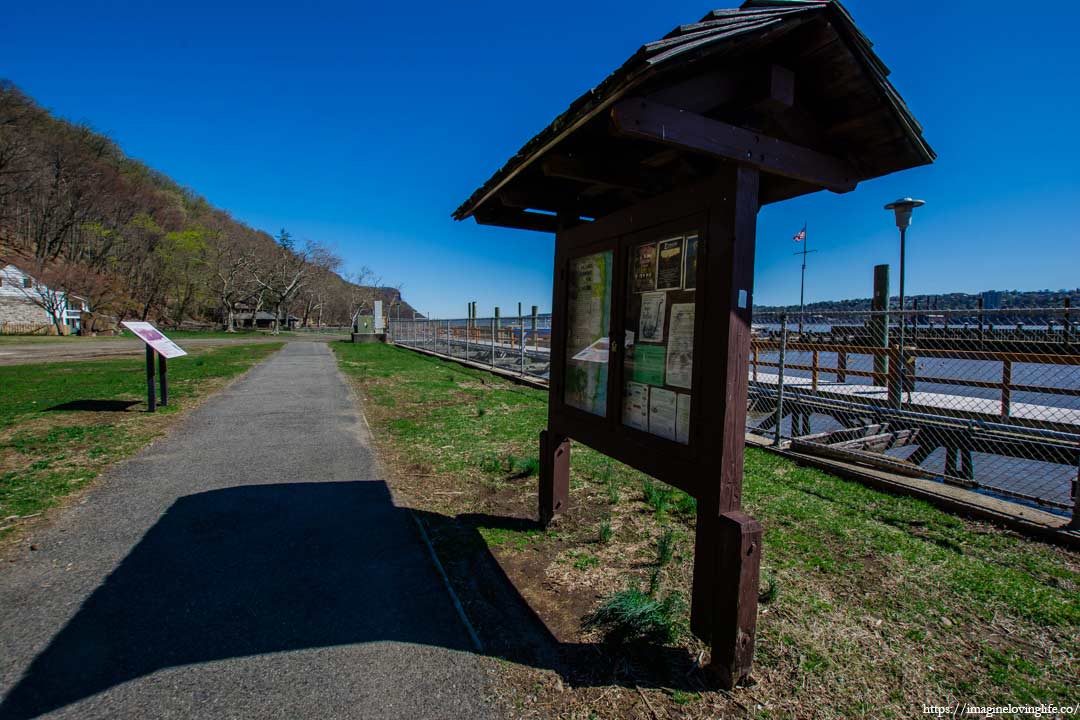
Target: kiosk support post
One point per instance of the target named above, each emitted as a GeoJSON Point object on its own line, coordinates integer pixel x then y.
{"type": "Point", "coordinates": [151, 399]}
{"type": "Point", "coordinates": [728, 542]}
{"type": "Point", "coordinates": [554, 475]}
{"type": "Point", "coordinates": [163, 370]}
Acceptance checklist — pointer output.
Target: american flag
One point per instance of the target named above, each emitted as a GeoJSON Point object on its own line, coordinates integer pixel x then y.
{"type": "Point", "coordinates": [801, 235]}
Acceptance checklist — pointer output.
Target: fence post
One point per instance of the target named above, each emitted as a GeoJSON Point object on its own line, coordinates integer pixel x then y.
{"type": "Point", "coordinates": [1068, 322]}
{"type": "Point", "coordinates": [449, 350]}
{"type": "Point", "coordinates": [879, 318]}
{"type": "Point", "coordinates": [493, 324]}
{"type": "Point", "coordinates": [1074, 524]}
{"type": "Point", "coordinates": [915, 325]}
{"type": "Point", "coordinates": [780, 381]}
{"type": "Point", "coordinates": [982, 332]}
{"type": "Point", "coordinates": [521, 330]}
{"type": "Point", "coordinates": [814, 371]}
{"type": "Point", "coordinates": [841, 366]}
{"type": "Point", "coordinates": [536, 336]}
{"type": "Point", "coordinates": [1006, 388]}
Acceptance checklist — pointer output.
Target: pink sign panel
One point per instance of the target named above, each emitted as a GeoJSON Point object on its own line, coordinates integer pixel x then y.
{"type": "Point", "coordinates": [153, 337]}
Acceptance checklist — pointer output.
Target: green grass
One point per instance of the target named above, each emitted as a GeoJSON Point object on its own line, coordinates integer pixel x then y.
{"type": "Point", "coordinates": [49, 448]}
{"type": "Point", "coordinates": [633, 614]}
{"type": "Point", "coordinates": [860, 587]}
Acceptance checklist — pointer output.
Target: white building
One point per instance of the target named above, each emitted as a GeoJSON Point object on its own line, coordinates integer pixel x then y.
{"type": "Point", "coordinates": [25, 303]}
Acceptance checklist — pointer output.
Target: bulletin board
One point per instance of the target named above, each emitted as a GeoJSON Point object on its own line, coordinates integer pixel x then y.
{"type": "Point", "coordinates": [623, 368]}
{"type": "Point", "coordinates": [658, 336]}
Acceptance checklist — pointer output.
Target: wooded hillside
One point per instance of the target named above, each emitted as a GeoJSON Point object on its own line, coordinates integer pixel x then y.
{"type": "Point", "coordinates": [78, 214]}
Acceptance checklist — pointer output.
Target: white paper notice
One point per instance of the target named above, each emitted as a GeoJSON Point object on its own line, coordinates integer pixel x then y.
{"type": "Point", "coordinates": [636, 406]}
{"type": "Point", "coordinates": [651, 325]}
{"type": "Point", "coordinates": [662, 411]}
{"type": "Point", "coordinates": [682, 419]}
{"type": "Point", "coordinates": [680, 347]}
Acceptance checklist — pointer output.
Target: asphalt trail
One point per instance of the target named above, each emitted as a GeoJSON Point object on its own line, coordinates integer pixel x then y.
{"type": "Point", "coordinates": [249, 565]}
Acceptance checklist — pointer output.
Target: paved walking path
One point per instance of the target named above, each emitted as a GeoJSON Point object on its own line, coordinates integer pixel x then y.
{"type": "Point", "coordinates": [249, 565]}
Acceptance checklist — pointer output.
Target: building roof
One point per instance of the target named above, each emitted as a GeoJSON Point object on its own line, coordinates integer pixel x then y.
{"type": "Point", "coordinates": [842, 104]}
{"type": "Point", "coordinates": [261, 315]}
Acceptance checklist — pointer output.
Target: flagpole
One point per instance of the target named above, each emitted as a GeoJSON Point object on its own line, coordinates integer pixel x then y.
{"type": "Point", "coordinates": [802, 283]}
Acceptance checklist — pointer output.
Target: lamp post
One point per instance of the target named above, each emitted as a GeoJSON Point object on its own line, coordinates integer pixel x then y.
{"type": "Point", "coordinates": [903, 208]}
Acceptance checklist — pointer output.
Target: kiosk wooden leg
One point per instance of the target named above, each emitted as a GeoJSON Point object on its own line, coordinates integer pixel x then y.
{"type": "Point", "coordinates": [734, 598]}
{"type": "Point", "coordinates": [554, 475]}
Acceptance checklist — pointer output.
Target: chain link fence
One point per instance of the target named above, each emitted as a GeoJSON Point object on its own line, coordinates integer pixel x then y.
{"type": "Point", "coordinates": [987, 400]}
{"type": "Point", "coordinates": [519, 344]}
{"type": "Point", "coordinates": [983, 399]}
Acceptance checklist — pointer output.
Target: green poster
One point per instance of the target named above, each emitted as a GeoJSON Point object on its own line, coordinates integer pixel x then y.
{"type": "Point", "coordinates": [649, 364]}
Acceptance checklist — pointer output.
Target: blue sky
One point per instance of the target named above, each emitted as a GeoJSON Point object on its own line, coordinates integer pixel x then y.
{"type": "Point", "coordinates": [364, 125]}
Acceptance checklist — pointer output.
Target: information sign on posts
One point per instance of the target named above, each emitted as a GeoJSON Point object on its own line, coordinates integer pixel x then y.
{"type": "Point", "coordinates": [153, 337]}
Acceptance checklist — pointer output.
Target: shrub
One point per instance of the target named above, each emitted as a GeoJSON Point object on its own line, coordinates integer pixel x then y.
{"type": "Point", "coordinates": [657, 495]}
{"type": "Point", "coordinates": [522, 467]}
{"type": "Point", "coordinates": [605, 531]}
{"type": "Point", "coordinates": [684, 504]}
{"type": "Point", "coordinates": [635, 615]}
{"type": "Point", "coordinates": [491, 463]}
{"type": "Point", "coordinates": [584, 561]}
{"type": "Point", "coordinates": [665, 547]}
{"type": "Point", "coordinates": [769, 588]}
{"type": "Point", "coordinates": [612, 487]}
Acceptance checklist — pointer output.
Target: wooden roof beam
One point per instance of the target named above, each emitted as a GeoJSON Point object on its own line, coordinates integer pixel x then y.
{"type": "Point", "coordinates": [644, 120]}
{"type": "Point", "coordinates": [586, 203]}
{"type": "Point", "coordinates": [770, 88]}
{"type": "Point", "coordinates": [592, 172]}
{"type": "Point", "coordinates": [518, 218]}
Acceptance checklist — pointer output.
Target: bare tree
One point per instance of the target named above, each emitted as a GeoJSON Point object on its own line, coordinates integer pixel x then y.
{"type": "Point", "coordinates": [288, 269]}
{"type": "Point", "coordinates": [231, 280]}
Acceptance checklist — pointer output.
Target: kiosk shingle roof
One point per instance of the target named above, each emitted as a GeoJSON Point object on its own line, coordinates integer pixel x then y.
{"type": "Point", "coordinates": [841, 89]}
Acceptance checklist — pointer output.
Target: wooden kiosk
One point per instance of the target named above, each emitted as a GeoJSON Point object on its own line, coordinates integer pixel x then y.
{"type": "Point", "coordinates": [652, 183]}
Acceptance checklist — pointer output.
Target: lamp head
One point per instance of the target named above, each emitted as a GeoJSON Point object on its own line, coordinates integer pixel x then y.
{"type": "Point", "coordinates": [903, 208]}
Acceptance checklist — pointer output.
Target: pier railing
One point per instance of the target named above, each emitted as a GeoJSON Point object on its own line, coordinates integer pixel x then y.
{"type": "Point", "coordinates": [986, 399]}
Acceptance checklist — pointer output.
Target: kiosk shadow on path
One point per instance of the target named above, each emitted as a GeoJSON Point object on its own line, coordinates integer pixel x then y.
{"type": "Point", "coordinates": [270, 568]}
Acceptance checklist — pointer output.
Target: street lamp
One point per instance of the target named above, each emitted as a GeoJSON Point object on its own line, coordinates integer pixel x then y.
{"type": "Point", "coordinates": [903, 208]}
